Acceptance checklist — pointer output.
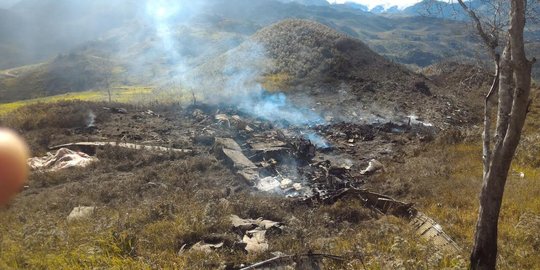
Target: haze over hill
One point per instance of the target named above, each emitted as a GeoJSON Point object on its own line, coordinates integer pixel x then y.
{"type": "Point", "coordinates": [318, 67]}
{"type": "Point", "coordinates": [72, 25]}
{"type": "Point", "coordinates": [63, 74]}
{"type": "Point", "coordinates": [148, 43]}
{"type": "Point", "coordinates": [410, 40]}
{"type": "Point", "coordinates": [33, 31]}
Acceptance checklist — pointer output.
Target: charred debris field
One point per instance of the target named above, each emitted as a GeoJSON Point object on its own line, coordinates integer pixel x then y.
{"type": "Point", "coordinates": [208, 187]}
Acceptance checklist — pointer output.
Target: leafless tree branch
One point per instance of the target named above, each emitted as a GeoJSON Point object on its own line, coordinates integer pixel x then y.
{"type": "Point", "coordinates": [489, 40]}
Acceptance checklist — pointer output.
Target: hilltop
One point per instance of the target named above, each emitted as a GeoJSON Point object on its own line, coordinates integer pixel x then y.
{"type": "Point", "coordinates": [310, 52]}
{"type": "Point", "coordinates": [303, 52]}
{"type": "Point", "coordinates": [326, 70]}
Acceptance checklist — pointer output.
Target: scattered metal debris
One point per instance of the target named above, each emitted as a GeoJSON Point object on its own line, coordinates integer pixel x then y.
{"type": "Point", "coordinates": [250, 224]}
{"type": "Point", "coordinates": [300, 261]}
{"type": "Point", "coordinates": [63, 159]}
{"type": "Point", "coordinates": [81, 212]}
{"type": "Point", "coordinates": [430, 230]}
{"type": "Point", "coordinates": [379, 203]}
{"type": "Point", "coordinates": [231, 152]}
{"type": "Point", "coordinates": [205, 247]}
{"type": "Point", "coordinates": [211, 243]}
{"type": "Point", "coordinates": [116, 110]}
{"type": "Point", "coordinates": [268, 184]}
{"type": "Point", "coordinates": [283, 161]}
{"type": "Point", "coordinates": [253, 232]}
{"type": "Point", "coordinates": [374, 166]}
{"type": "Point", "coordinates": [90, 147]}
{"type": "Point", "coordinates": [255, 241]}
{"type": "Point", "coordinates": [151, 113]}
{"type": "Point", "coordinates": [424, 226]}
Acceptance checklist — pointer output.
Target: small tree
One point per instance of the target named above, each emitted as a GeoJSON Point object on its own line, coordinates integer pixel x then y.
{"type": "Point", "coordinates": [512, 84]}
{"type": "Point", "coordinates": [108, 85]}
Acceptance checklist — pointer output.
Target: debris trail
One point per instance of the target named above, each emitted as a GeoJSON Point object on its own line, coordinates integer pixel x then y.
{"type": "Point", "coordinates": [302, 261]}
{"type": "Point", "coordinates": [432, 231]}
{"type": "Point", "coordinates": [279, 160]}
{"type": "Point", "coordinates": [93, 145]}
{"type": "Point", "coordinates": [424, 226]}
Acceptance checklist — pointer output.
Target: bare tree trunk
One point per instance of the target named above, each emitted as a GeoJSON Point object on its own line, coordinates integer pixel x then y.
{"type": "Point", "coordinates": [514, 92]}
{"type": "Point", "coordinates": [487, 117]}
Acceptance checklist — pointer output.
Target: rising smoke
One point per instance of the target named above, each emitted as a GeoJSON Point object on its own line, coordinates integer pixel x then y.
{"type": "Point", "coordinates": [90, 119]}
{"type": "Point", "coordinates": [236, 79]}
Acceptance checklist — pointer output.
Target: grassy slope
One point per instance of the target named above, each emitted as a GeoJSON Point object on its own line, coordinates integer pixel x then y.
{"type": "Point", "coordinates": [443, 179]}
{"type": "Point", "coordinates": [64, 74]}
{"type": "Point", "coordinates": [446, 181]}
{"type": "Point", "coordinates": [118, 94]}
{"type": "Point", "coordinates": [142, 227]}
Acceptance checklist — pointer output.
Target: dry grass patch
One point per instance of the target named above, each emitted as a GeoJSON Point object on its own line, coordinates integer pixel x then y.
{"type": "Point", "coordinates": [446, 179]}
{"type": "Point", "coordinates": [152, 207]}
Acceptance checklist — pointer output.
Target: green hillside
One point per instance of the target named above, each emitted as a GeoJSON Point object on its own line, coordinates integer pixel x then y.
{"type": "Point", "coordinates": [65, 73]}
